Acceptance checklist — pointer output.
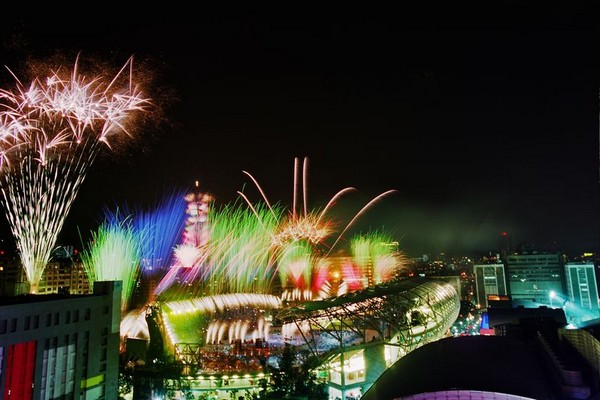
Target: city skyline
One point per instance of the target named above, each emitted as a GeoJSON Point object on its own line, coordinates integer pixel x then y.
{"type": "Point", "coordinates": [481, 126]}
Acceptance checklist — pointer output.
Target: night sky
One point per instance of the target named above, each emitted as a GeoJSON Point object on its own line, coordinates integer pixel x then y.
{"type": "Point", "coordinates": [483, 120]}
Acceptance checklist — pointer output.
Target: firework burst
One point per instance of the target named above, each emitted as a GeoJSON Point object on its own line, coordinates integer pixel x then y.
{"type": "Point", "coordinates": [50, 133]}
{"type": "Point", "coordinates": [114, 255]}
{"type": "Point", "coordinates": [298, 237]}
{"type": "Point", "coordinates": [376, 256]}
{"type": "Point", "coordinates": [161, 226]}
{"type": "Point", "coordinates": [240, 252]}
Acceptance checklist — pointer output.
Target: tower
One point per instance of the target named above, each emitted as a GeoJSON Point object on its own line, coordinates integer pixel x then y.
{"type": "Point", "coordinates": [504, 244]}
{"type": "Point", "coordinates": [489, 279]}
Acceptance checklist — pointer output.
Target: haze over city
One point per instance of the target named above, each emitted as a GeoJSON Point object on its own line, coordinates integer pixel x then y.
{"type": "Point", "coordinates": [481, 125]}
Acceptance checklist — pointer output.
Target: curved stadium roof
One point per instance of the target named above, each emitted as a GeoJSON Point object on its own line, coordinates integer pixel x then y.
{"type": "Point", "coordinates": [487, 364]}
{"type": "Point", "coordinates": [377, 307]}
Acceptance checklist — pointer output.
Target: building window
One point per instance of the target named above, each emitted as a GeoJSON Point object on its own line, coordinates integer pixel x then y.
{"type": "Point", "coordinates": [87, 314]}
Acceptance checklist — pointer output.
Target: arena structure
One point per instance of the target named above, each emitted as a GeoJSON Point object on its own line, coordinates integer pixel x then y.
{"type": "Point", "coordinates": [372, 328]}
{"type": "Point", "coordinates": [217, 293]}
{"type": "Point", "coordinates": [222, 343]}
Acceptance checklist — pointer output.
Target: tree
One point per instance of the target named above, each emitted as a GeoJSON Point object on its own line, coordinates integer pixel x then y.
{"type": "Point", "coordinates": [295, 376]}
{"type": "Point", "coordinates": [125, 384]}
{"type": "Point", "coordinates": [283, 376]}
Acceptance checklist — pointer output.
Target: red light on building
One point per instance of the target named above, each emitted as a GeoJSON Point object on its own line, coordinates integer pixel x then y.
{"type": "Point", "coordinates": [19, 371]}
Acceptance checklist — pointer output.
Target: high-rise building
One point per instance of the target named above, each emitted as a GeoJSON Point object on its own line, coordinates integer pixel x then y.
{"type": "Point", "coordinates": [582, 286]}
{"type": "Point", "coordinates": [61, 275]}
{"type": "Point", "coordinates": [489, 280]}
{"type": "Point", "coordinates": [533, 276]}
{"type": "Point", "coordinates": [61, 346]}
{"type": "Point", "coordinates": [64, 276]}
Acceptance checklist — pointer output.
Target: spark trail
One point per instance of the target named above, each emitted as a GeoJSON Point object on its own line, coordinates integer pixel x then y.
{"type": "Point", "coordinates": [50, 134]}
{"type": "Point", "coordinates": [114, 255]}
{"type": "Point", "coordinates": [299, 236]}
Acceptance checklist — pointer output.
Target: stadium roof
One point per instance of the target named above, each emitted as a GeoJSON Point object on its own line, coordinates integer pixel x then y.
{"type": "Point", "coordinates": [483, 363]}
{"type": "Point", "coordinates": [405, 287]}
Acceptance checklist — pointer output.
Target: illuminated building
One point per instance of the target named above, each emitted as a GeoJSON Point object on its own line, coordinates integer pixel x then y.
{"type": "Point", "coordinates": [489, 280]}
{"type": "Point", "coordinates": [373, 328]}
{"type": "Point", "coordinates": [61, 346]}
{"type": "Point", "coordinates": [62, 275]}
{"type": "Point", "coordinates": [582, 287]}
{"type": "Point", "coordinates": [532, 276]}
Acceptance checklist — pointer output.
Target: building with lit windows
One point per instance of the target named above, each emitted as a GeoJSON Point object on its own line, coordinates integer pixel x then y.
{"type": "Point", "coordinates": [64, 277]}
{"type": "Point", "coordinates": [582, 287]}
{"type": "Point", "coordinates": [489, 280]}
{"type": "Point", "coordinates": [533, 276]}
{"type": "Point", "coordinates": [61, 346]}
{"type": "Point", "coordinates": [61, 275]}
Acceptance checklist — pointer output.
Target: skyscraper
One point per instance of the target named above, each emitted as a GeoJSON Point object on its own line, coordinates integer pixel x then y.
{"type": "Point", "coordinates": [582, 287]}
{"type": "Point", "coordinates": [534, 276]}
{"type": "Point", "coordinates": [489, 279]}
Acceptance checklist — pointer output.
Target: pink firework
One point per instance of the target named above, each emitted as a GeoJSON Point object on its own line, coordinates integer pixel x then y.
{"type": "Point", "coordinates": [51, 131]}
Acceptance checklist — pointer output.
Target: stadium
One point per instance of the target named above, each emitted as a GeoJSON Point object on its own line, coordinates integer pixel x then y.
{"type": "Point", "coordinates": [216, 302]}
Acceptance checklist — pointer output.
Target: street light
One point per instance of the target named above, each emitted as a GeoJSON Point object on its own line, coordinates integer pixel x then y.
{"type": "Point", "coordinates": [552, 295]}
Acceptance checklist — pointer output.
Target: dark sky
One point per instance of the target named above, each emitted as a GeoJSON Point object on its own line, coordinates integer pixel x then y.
{"type": "Point", "coordinates": [483, 120]}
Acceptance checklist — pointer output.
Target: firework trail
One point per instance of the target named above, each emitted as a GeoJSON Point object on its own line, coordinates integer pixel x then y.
{"type": "Point", "coordinates": [353, 277]}
{"type": "Point", "coordinates": [295, 265]}
{"type": "Point", "coordinates": [241, 256]}
{"type": "Point", "coordinates": [300, 236]}
{"type": "Point", "coordinates": [134, 325]}
{"type": "Point", "coordinates": [162, 225]}
{"type": "Point", "coordinates": [51, 133]}
{"type": "Point", "coordinates": [376, 257]}
{"type": "Point", "coordinates": [114, 254]}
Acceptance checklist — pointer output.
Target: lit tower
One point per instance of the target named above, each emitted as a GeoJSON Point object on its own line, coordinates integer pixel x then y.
{"type": "Point", "coordinates": [188, 257]}
{"type": "Point", "coordinates": [196, 226]}
{"type": "Point", "coordinates": [504, 245]}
